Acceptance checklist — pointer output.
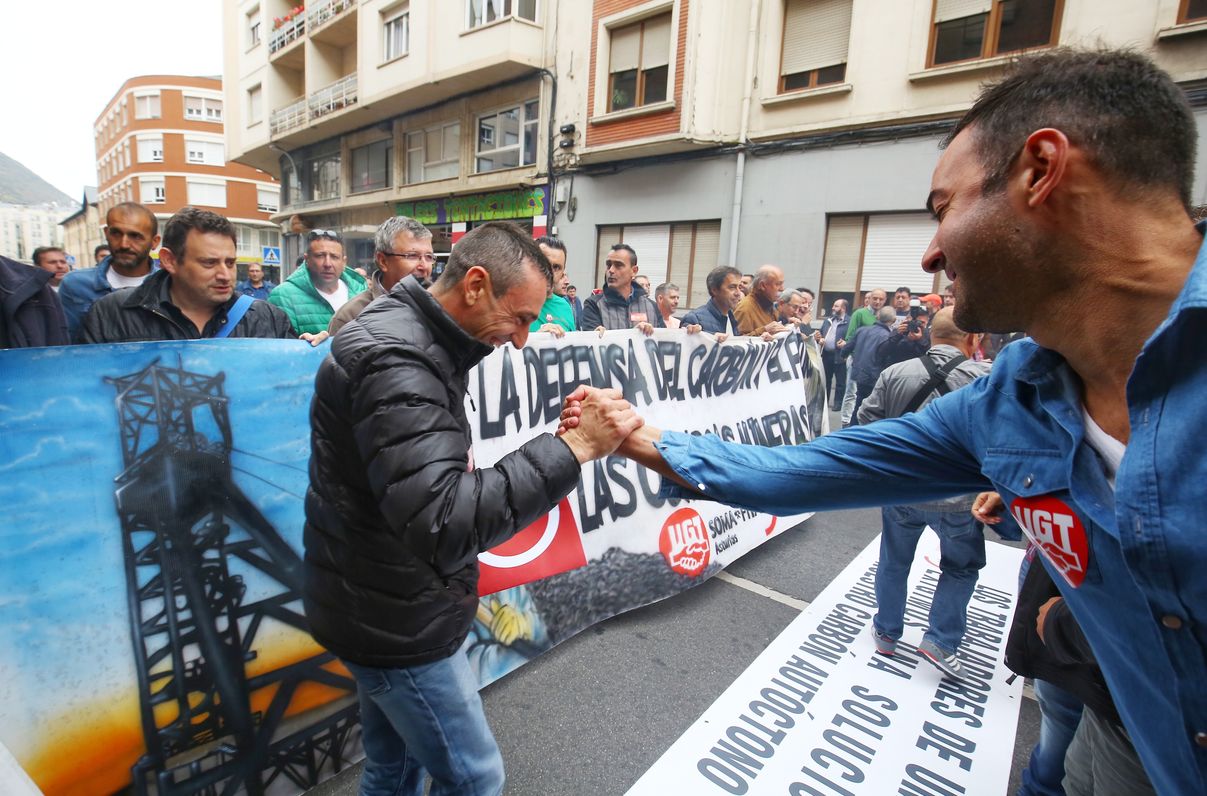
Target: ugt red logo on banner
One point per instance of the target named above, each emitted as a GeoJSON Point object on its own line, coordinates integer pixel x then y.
{"type": "Point", "coordinates": [684, 542]}
{"type": "Point", "coordinates": [548, 546]}
{"type": "Point", "coordinates": [1058, 532]}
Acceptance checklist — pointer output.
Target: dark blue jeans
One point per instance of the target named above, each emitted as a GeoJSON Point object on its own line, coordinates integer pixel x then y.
{"type": "Point", "coordinates": [1059, 713]}
{"type": "Point", "coordinates": [962, 545]}
{"type": "Point", "coordinates": [423, 720]}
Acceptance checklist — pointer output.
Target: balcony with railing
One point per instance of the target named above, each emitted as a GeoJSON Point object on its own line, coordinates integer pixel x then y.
{"type": "Point", "coordinates": [336, 97]}
{"type": "Point", "coordinates": [290, 30]}
{"type": "Point", "coordinates": [328, 10]}
{"type": "Point", "coordinates": [290, 117]}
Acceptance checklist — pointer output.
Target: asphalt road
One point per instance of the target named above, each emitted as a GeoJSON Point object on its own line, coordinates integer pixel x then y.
{"type": "Point", "coordinates": [590, 716]}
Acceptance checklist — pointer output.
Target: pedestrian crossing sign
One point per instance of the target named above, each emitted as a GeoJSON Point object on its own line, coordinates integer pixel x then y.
{"type": "Point", "coordinates": [271, 255]}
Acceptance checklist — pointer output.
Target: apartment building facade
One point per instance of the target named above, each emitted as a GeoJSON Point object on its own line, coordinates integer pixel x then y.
{"type": "Point", "coordinates": [160, 142]}
{"type": "Point", "coordinates": [24, 228]}
{"type": "Point", "coordinates": [796, 132]}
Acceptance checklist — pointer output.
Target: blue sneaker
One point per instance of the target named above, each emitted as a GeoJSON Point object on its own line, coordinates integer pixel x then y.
{"type": "Point", "coordinates": [884, 644]}
{"type": "Point", "coordinates": [945, 662]}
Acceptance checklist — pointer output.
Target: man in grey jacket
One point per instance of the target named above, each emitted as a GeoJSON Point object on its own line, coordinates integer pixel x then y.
{"type": "Point", "coordinates": [901, 389]}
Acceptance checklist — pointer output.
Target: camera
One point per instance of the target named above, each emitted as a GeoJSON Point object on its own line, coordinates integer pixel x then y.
{"type": "Point", "coordinates": [916, 311]}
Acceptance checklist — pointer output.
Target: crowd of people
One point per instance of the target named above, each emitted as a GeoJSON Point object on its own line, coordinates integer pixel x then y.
{"type": "Point", "coordinates": [1066, 185]}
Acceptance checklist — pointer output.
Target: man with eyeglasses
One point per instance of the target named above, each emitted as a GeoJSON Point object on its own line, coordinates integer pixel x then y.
{"type": "Point", "coordinates": [312, 295]}
{"type": "Point", "coordinates": [403, 247]}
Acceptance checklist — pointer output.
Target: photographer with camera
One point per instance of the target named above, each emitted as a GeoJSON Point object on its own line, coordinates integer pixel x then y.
{"type": "Point", "coordinates": [911, 337]}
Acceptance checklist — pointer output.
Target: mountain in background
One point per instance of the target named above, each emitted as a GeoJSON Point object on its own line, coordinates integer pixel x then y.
{"type": "Point", "coordinates": [20, 186]}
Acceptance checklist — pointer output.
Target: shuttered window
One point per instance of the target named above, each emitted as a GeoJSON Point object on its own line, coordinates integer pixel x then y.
{"type": "Point", "coordinates": [844, 246]}
{"type": "Point", "coordinates": [652, 244]}
{"type": "Point", "coordinates": [816, 35]}
{"type": "Point", "coordinates": [639, 57]}
{"type": "Point", "coordinates": [892, 256]}
{"type": "Point", "coordinates": [965, 30]}
{"type": "Point", "coordinates": [946, 10]}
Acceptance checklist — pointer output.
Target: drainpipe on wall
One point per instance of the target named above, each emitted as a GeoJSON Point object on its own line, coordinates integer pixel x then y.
{"type": "Point", "coordinates": [735, 223]}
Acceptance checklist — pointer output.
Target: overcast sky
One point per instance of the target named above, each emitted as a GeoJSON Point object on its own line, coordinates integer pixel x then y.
{"type": "Point", "coordinates": [65, 59]}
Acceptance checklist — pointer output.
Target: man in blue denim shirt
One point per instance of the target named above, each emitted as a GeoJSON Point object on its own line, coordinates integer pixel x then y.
{"type": "Point", "coordinates": [1062, 206]}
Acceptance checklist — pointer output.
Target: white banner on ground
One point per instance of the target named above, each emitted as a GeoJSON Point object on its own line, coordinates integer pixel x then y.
{"type": "Point", "coordinates": [820, 713]}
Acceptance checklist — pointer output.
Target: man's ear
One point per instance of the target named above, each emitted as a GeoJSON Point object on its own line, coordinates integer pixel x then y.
{"type": "Point", "coordinates": [1041, 165]}
{"type": "Point", "coordinates": [475, 284]}
{"type": "Point", "coordinates": [167, 261]}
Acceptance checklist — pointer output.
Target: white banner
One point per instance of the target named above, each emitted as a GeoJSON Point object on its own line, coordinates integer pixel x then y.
{"type": "Point", "coordinates": [820, 713]}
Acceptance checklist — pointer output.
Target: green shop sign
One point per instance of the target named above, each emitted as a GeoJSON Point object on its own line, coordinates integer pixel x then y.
{"type": "Point", "coordinates": [499, 206]}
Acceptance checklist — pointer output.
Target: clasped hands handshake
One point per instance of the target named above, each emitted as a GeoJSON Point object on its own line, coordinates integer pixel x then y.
{"type": "Point", "coordinates": [596, 422]}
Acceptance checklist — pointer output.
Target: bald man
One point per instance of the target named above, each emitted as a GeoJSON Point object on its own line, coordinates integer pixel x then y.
{"type": "Point", "coordinates": [132, 232]}
{"type": "Point", "coordinates": [756, 312]}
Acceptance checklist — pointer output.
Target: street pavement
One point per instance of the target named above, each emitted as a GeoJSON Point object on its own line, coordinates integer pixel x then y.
{"type": "Point", "coordinates": [592, 714]}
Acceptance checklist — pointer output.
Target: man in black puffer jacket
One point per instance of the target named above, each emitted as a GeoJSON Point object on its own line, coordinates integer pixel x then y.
{"type": "Point", "coordinates": [396, 514]}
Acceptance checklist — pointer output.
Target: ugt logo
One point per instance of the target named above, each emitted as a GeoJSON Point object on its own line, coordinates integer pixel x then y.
{"type": "Point", "coordinates": [548, 546]}
{"type": "Point", "coordinates": [684, 542]}
{"type": "Point", "coordinates": [1058, 533]}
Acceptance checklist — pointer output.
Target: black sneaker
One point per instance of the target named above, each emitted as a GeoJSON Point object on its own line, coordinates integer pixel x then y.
{"type": "Point", "coordinates": [945, 662]}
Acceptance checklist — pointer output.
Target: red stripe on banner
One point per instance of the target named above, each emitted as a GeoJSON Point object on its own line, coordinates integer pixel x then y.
{"type": "Point", "coordinates": [548, 546]}
{"type": "Point", "coordinates": [458, 231]}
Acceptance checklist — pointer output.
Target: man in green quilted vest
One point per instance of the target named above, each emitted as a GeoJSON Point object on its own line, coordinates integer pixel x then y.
{"type": "Point", "coordinates": [311, 295]}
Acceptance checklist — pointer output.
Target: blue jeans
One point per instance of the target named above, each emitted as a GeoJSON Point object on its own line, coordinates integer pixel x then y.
{"type": "Point", "coordinates": [1059, 713]}
{"type": "Point", "coordinates": [423, 720]}
{"type": "Point", "coordinates": [962, 545]}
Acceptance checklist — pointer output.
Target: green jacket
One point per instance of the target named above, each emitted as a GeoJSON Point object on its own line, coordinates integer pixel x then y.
{"type": "Point", "coordinates": [860, 318]}
{"type": "Point", "coordinates": [555, 310]}
{"type": "Point", "coordinates": [308, 311]}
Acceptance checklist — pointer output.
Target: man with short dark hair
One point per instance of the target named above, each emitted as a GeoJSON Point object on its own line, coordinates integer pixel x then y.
{"type": "Point", "coordinates": [397, 513]}
{"type": "Point", "coordinates": [30, 313]}
{"type": "Point", "coordinates": [1072, 170]}
{"type": "Point", "coordinates": [557, 316]}
{"type": "Point", "coordinates": [756, 312]}
{"type": "Point", "coordinates": [193, 294]}
{"type": "Point", "coordinates": [724, 292]}
{"type": "Point", "coordinates": [575, 302]}
{"type": "Point", "coordinates": [100, 253]}
{"type": "Point", "coordinates": [622, 304]}
{"type": "Point", "coordinates": [901, 297]}
{"type": "Point", "coordinates": [666, 296]}
{"type": "Point", "coordinates": [312, 295]}
{"type": "Point", "coordinates": [132, 231]}
{"type": "Point", "coordinates": [54, 260]}
{"type": "Point", "coordinates": [746, 283]}
{"type": "Point", "coordinates": [401, 244]}
{"type": "Point", "coordinates": [256, 285]}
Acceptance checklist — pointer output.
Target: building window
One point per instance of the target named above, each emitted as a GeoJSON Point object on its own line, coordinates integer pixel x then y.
{"type": "Point", "coordinates": [208, 153]}
{"type": "Point", "coordinates": [253, 27]}
{"type": "Point", "coordinates": [483, 12]}
{"type": "Point", "coordinates": [208, 194]}
{"type": "Point", "coordinates": [151, 192]}
{"type": "Point", "coordinates": [255, 103]}
{"type": "Point", "coordinates": [124, 117]}
{"type": "Point", "coordinates": [324, 177]}
{"type": "Point", "coordinates": [508, 138]}
{"type": "Point", "coordinates": [371, 167]}
{"type": "Point", "coordinates": [146, 106]}
{"type": "Point", "coordinates": [639, 63]}
{"type": "Point", "coordinates": [434, 153]}
{"type": "Point", "coordinates": [202, 109]}
{"type": "Point", "coordinates": [150, 149]}
{"type": "Point", "coordinates": [1192, 11]}
{"type": "Point", "coordinates": [965, 30]}
{"type": "Point", "coordinates": [269, 237]}
{"type": "Point", "coordinates": [396, 33]}
{"type": "Point", "coordinates": [816, 33]}
{"type": "Point", "coordinates": [268, 200]}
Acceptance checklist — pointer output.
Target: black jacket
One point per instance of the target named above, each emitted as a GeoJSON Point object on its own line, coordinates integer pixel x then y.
{"type": "Point", "coordinates": [1063, 657]}
{"type": "Point", "coordinates": [611, 310]}
{"type": "Point", "coordinates": [146, 312]}
{"type": "Point", "coordinates": [30, 313]}
{"type": "Point", "coordinates": [395, 517]}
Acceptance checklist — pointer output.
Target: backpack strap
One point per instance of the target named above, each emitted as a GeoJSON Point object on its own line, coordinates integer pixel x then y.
{"type": "Point", "coordinates": [237, 311]}
{"type": "Point", "coordinates": [937, 381]}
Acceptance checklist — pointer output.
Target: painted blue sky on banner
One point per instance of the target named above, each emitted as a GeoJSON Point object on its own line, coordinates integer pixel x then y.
{"type": "Point", "coordinates": [68, 624]}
